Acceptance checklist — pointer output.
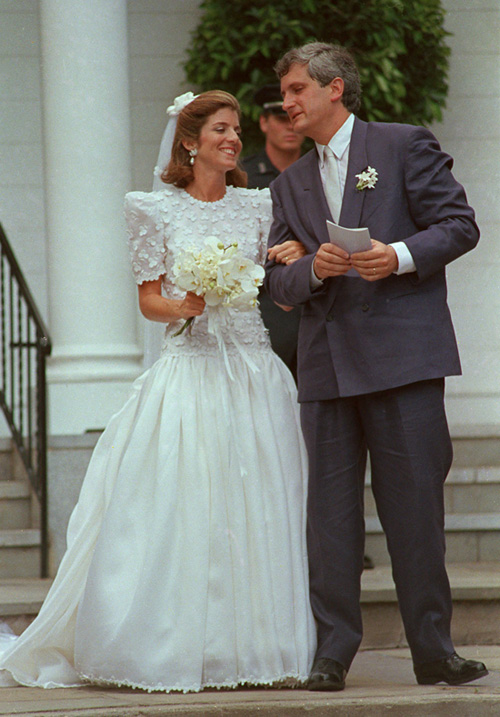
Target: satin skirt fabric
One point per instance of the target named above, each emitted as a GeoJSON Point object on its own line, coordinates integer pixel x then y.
{"type": "Point", "coordinates": [186, 564]}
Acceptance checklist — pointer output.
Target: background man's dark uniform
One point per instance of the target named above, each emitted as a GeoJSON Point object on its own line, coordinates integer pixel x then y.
{"type": "Point", "coordinates": [283, 326]}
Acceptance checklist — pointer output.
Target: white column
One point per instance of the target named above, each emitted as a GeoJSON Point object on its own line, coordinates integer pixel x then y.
{"type": "Point", "coordinates": [92, 315]}
{"type": "Point", "coordinates": [471, 134]}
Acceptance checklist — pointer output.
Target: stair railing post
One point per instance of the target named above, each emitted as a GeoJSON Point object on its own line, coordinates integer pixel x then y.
{"type": "Point", "coordinates": [41, 437]}
{"type": "Point", "coordinates": [15, 394]}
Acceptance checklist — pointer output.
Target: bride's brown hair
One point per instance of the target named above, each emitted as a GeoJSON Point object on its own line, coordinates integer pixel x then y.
{"type": "Point", "coordinates": [189, 124]}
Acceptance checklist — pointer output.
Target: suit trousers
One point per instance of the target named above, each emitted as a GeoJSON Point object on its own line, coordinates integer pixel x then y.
{"type": "Point", "coordinates": [406, 433]}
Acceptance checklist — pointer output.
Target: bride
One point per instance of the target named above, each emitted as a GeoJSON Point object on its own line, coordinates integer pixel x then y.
{"type": "Point", "coordinates": [186, 561]}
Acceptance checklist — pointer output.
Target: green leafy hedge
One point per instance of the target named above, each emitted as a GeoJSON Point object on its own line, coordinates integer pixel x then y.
{"type": "Point", "coordinates": [399, 46]}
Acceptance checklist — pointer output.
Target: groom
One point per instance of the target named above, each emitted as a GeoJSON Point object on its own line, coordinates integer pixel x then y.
{"type": "Point", "coordinates": [375, 343]}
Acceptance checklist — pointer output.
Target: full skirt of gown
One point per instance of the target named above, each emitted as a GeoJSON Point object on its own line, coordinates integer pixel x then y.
{"type": "Point", "coordinates": [186, 563]}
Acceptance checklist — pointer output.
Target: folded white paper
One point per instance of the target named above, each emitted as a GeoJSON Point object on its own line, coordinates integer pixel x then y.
{"type": "Point", "coordinates": [350, 240]}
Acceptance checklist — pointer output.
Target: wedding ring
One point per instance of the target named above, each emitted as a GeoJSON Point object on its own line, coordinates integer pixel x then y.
{"type": "Point", "coordinates": [374, 271]}
{"type": "Point", "coordinates": [286, 258]}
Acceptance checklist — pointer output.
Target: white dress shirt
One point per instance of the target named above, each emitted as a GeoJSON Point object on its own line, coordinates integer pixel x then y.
{"type": "Point", "coordinates": [339, 144]}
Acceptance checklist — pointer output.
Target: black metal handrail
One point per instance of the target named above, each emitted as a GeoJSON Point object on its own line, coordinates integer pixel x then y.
{"type": "Point", "coordinates": [25, 345]}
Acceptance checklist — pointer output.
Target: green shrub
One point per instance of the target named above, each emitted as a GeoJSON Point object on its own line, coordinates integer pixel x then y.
{"type": "Point", "coordinates": [399, 46]}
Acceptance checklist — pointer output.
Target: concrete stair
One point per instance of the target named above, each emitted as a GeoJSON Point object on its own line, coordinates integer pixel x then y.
{"type": "Point", "coordinates": [472, 523]}
{"type": "Point", "coordinates": [472, 495]}
{"type": "Point", "coordinates": [19, 536]}
{"type": "Point", "coordinates": [21, 600]}
{"type": "Point", "coordinates": [475, 589]}
{"type": "Point", "coordinates": [380, 683]}
{"type": "Point", "coordinates": [472, 502]}
{"type": "Point", "coordinates": [15, 504]}
{"type": "Point", "coordinates": [19, 553]}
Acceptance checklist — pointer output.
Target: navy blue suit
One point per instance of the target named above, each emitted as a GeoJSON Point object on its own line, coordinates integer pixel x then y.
{"type": "Point", "coordinates": [371, 365]}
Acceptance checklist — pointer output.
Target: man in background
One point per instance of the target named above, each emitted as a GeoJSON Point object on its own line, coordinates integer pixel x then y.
{"type": "Point", "coordinates": [282, 147]}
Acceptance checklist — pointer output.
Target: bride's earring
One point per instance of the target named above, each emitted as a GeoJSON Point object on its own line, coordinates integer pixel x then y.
{"type": "Point", "coordinates": [192, 154]}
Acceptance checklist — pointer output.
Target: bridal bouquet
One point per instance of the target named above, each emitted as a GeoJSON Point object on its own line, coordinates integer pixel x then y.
{"type": "Point", "coordinates": [221, 274]}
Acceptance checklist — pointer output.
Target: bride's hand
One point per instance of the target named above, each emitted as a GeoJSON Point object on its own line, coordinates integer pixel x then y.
{"type": "Point", "coordinates": [288, 252]}
{"type": "Point", "coordinates": [192, 305]}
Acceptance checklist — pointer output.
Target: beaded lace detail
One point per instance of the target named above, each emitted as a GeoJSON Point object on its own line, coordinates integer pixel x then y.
{"type": "Point", "coordinates": [161, 223]}
{"type": "Point", "coordinates": [288, 681]}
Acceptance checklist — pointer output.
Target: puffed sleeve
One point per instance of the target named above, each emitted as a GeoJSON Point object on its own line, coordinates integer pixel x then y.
{"type": "Point", "coordinates": [264, 217]}
{"type": "Point", "coordinates": [146, 236]}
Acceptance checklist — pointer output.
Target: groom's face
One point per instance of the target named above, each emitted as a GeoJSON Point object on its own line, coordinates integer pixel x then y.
{"type": "Point", "coordinates": [308, 105]}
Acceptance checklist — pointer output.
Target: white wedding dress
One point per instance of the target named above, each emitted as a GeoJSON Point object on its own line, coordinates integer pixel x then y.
{"type": "Point", "coordinates": [186, 563]}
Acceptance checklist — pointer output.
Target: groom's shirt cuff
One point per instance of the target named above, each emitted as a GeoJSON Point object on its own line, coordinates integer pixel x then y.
{"type": "Point", "coordinates": [314, 282]}
{"type": "Point", "coordinates": [405, 260]}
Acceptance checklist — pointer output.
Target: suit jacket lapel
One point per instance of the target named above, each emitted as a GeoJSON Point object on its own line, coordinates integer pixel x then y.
{"type": "Point", "coordinates": [352, 203]}
{"type": "Point", "coordinates": [318, 212]}
{"type": "Point", "coordinates": [314, 197]}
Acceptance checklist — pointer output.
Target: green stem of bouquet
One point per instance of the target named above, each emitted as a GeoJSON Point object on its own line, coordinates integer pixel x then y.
{"type": "Point", "coordinates": [186, 324]}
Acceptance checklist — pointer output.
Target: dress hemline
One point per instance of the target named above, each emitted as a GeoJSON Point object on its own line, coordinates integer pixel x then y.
{"type": "Point", "coordinates": [286, 681]}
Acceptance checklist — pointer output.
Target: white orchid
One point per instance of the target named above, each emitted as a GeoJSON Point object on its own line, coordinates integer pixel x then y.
{"type": "Point", "coordinates": [179, 103]}
{"type": "Point", "coordinates": [221, 274]}
{"type": "Point", "coordinates": [367, 179]}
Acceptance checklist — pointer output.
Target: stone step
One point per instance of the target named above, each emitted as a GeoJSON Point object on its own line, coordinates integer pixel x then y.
{"type": "Point", "coordinates": [476, 445]}
{"type": "Point", "coordinates": [472, 501]}
{"type": "Point", "coordinates": [483, 475]}
{"type": "Point", "coordinates": [11, 465]}
{"type": "Point", "coordinates": [461, 498]}
{"type": "Point", "coordinates": [475, 590]}
{"type": "Point", "coordinates": [379, 683]}
{"type": "Point", "coordinates": [466, 490]}
{"type": "Point", "coordinates": [6, 459]}
{"type": "Point", "coordinates": [453, 522]}
{"type": "Point", "coordinates": [19, 553]}
{"type": "Point", "coordinates": [15, 504]}
{"type": "Point", "coordinates": [21, 600]}
{"type": "Point", "coordinates": [472, 505]}
{"type": "Point", "coordinates": [470, 537]}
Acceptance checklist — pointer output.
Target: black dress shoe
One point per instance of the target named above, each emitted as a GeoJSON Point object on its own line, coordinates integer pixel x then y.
{"type": "Point", "coordinates": [453, 669]}
{"type": "Point", "coordinates": [326, 674]}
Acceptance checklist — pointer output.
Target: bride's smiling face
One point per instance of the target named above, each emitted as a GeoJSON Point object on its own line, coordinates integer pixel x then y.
{"type": "Point", "coordinates": [219, 144]}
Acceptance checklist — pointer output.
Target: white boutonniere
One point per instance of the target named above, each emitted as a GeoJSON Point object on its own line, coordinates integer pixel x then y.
{"type": "Point", "coordinates": [367, 179]}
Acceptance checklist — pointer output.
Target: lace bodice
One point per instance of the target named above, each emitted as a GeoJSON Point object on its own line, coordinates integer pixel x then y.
{"type": "Point", "coordinates": [161, 223]}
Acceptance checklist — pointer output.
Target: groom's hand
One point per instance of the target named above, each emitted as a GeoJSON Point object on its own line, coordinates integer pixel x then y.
{"type": "Point", "coordinates": [330, 260]}
{"type": "Point", "coordinates": [377, 263]}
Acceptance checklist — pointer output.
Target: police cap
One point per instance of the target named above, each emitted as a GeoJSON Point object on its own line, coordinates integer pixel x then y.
{"type": "Point", "coordinates": [269, 98]}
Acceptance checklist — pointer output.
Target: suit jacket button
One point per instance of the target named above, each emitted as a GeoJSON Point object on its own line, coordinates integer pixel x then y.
{"type": "Point", "coordinates": [329, 317]}
{"type": "Point", "coordinates": [365, 307]}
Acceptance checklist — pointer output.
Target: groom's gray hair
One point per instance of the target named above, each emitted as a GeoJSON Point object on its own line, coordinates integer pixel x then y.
{"type": "Point", "coordinates": [324, 63]}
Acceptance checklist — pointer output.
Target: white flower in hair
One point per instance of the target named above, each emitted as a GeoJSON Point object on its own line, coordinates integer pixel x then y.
{"type": "Point", "coordinates": [179, 103]}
